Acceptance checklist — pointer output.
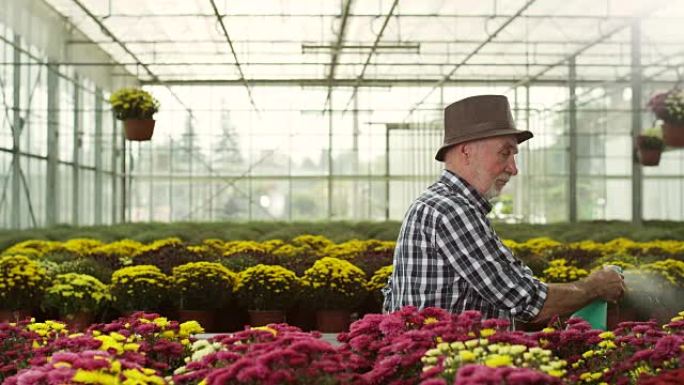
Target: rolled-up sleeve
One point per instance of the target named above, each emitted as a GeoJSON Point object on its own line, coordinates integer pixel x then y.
{"type": "Point", "coordinates": [471, 246]}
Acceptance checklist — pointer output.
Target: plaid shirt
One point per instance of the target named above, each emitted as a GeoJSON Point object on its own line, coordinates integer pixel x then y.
{"type": "Point", "coordinates": [449, 256]}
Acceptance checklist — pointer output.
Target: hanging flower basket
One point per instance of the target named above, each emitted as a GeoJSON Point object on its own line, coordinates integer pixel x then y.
{"type": "Point", "coordinates": [649, 157]}
{"type": "Point", "coordinates": [669, 108]}
{"type": "Point", "coordinates": [649, 146]}
{"type": "Point", "coordinates": [139, 129]}
{"type": "Point", "coordinates": [649, 149]}
{"type": "Point", "coordinates": [136, 108]}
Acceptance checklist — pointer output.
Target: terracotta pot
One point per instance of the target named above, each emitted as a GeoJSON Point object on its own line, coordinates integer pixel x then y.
{"type": "Point", "coordinates": [265, 317]}
{"type": "Point", "coordinates": [14, 315]}
{"type": "Point", "coordinates": [79, 321]}
{"type": "Point", "coordinates": [206, 318]}
{"type": "Point", "coordinates": [302, 317]}
{"type": "Point", "coordinates": [333, 321]}
{"type": "Point", "coordinates": [647, 156]}
{"type": "Point", "coordinates": [673, 134]}
{"type": "Point", "coordinates": [139, 129]}
{"type": "Point", "coordinates": [231, 318]}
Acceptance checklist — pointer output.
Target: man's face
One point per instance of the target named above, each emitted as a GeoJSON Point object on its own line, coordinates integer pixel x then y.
{"type": "Point", "coordinates": [493, 160]}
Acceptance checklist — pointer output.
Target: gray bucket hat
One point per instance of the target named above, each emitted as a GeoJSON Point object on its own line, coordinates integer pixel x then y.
{"type": "Point", "coordinates": [478, 117]}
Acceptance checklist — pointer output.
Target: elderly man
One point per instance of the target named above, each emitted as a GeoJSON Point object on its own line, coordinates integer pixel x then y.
{"type": "Point", "coordinates": [449, 256]}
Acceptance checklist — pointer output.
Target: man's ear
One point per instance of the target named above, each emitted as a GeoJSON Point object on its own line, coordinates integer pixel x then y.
{"type": "Point", "coordinates": [466, 151]}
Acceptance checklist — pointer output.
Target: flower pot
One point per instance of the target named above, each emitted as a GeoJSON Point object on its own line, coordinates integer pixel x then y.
{"type": "Point", "coordinates": [206, 318]}
{"type": "Point", "coordinates": [7, 315]}
{"type": "Point", "coordinates": [302, 317]}
{"type": "Point", "coordinates": [78, 321]}
{"type": "Point", "coordinates": [673, 134]}
{"type": "Point", "coordinates": [139, 129]}
{"type": "Point", "coordinates": [265, 317]}
{"type": "Point", "coordinates": [649, 157]}
{"type": "Point", "coordinates": [333, 321]}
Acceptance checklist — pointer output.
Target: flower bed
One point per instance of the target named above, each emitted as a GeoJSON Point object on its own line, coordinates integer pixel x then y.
{"type": "Point", "coordinates": [657, 266]}
{"type": "Point", "coordinates": [407, 347]}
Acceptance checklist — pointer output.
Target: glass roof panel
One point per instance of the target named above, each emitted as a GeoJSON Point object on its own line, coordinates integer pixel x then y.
{"type": "Point", "coordinates": [426, 40]}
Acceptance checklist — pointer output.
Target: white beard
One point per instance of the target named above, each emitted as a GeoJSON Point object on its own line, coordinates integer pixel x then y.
{"type": "Point", "coordinates": [492, 193]}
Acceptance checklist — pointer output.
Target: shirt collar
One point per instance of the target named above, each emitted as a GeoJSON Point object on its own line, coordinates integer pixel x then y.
{"type": "Point", "coordinates": [460, 186]}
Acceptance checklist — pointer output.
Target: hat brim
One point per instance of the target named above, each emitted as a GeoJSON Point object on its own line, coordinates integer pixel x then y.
{"type": "Point", "coordinates": [521, 136]}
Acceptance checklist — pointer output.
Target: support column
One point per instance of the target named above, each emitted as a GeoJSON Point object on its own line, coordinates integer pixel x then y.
{"type": "Point", "coordinates": [387, 171]}
{"type": "Point", "coordinates": [132, 160]}
{"type": "Point", "coordinates": [76, 155]}
{"type": "Point", "coordinates": [99, 98]}
{"type": "Point", "coordinates": [16, 135]}
{"type": "Point", "coordinates": [150, 197]}
{"type": "Point", "coordinates": [330, 159]}
{"type": "Point", "coordinates": [124, 178]}
{"type": "Point", "coordinates": [290, 189]}
{"type": "Point", "coordinates": [572, 132]}
{"type": "Point", "coordinates": [519, 198]}
{"type": "Point", "coordinates": [190, 149]}
{"type": "Point", "coordinates": [170, 179]}
{"type": "Point", "coordinates": [637, 177]}
{"type": "Point", "coordinates": [51, 187]}
{"type": "Point", "coordinates": [115, 173]}
{"type": "Point", "coordinates": [528, 206]}
{"type": "Point", "coordinates": [129, 180]}
{"type": "Point", "coordinates": [356, 197]}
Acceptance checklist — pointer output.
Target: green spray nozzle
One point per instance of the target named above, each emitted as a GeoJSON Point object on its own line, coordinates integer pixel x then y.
{"type": "Point", "coordinates": [596, 313]}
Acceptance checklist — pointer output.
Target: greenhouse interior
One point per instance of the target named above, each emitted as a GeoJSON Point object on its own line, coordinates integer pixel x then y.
{"type": "Point", "coordinates": [247, 192]}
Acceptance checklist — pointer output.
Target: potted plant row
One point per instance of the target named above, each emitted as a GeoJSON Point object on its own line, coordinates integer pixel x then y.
{"type": "Point", "coordinates": [267, 291]}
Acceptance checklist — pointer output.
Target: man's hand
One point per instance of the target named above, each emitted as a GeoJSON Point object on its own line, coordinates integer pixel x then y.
{"type": "Point", "coordinates": [565, 298]}
{"type": "Point", "coordinates": [606, 284]}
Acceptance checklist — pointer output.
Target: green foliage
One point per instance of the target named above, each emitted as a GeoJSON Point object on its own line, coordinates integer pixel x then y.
{"type": "Point", "coordinates": [22, 282]}
{"type": "Point", "coordinates": [202, 285]}
{"type": "Point", "coordinates": [650, 141]}
{"type": "Point", "coordinates": [334, 284]}
{"type": "Point", "coordinates": [85, 266]}
{"type": "Point", "coordinates": [267, 287]}
{"type": "Point", "coordinates": [621, 260]}
{"type": "Point", "coordinates": [238, 263]}
{"type": "Point", "coordinates": [72, 293]}
{"type": "Point", "coordinates": [142, 287]}
{"type": "Point", "coordinates": [196, 232]}
{"type": "Point", "coordinates": [378, 281]}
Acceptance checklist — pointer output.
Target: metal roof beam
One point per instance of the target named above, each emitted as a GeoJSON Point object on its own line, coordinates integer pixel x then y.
{"type": "Point", "coordinates": [644, 14]}
{"type": "Point", "coordinates": [386, 83]}
{"type": "Point", "coordinates": [370, 15]}
{"type": "Point", "coordinates": [232, 49]}
{"type": "Point", "coordinates": [472, 54]}
{"type": "Point", "coordinates": [378, 37]}
{"type": "Point", "coordinates": [335, 55]}
{"type": "Point", "coordinates": [627, 78]}
{"type": "Point", "coordinates": [123, 46]}
{"type": "Point", "coordinates": [359, 42]}
{"type": "Point", "coordinates": [657, 64]}
{"type": "Point", "coordinates": [370, 54]}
